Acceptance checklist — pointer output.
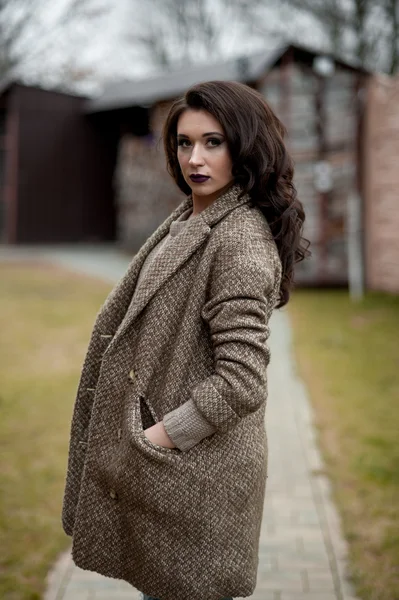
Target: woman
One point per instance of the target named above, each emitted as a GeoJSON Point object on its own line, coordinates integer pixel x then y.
{"type": "Point", "coordinates": [168, 453]}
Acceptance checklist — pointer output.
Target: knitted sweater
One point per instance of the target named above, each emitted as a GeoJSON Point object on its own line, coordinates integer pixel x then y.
{"type": "Point", "coordinates": [185, 425]}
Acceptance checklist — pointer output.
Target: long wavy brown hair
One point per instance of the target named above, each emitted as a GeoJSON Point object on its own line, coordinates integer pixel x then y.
{"type": "Point", "coordinates": [261, 162]}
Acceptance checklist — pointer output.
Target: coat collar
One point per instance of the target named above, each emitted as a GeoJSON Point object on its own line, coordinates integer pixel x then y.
{"type": "Point", "coordinates": [176, 252]}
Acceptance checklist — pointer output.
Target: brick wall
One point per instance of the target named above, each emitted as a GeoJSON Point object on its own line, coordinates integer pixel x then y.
{"type": "Point", "coordinates": [145, 193]}
{"type": "Point", "coordinates": [382, 185]}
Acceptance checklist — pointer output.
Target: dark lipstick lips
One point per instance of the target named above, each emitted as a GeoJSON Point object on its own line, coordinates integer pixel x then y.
{"type": "Point", "coordinates": [199, 178]}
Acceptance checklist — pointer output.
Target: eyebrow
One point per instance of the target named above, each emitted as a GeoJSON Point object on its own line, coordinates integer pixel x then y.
{"type": "Point", "coordinates": [183, 135]}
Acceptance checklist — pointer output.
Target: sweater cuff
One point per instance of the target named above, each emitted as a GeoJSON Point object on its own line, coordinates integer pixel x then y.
{"type": "Point", "coordinates": [186, 426]}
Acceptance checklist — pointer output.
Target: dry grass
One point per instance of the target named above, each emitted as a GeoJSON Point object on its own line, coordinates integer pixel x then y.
{"type": "Point", "coordinates": [47, 315]}
{"type": "Point", "coordinates": [349, 357]}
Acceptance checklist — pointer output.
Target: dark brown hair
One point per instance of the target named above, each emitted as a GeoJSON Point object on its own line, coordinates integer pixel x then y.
{"type": "Point", "coordinates": [261, 162]}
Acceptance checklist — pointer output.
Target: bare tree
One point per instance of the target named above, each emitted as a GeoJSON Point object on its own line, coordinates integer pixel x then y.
{"type": "Point", "coordinates": [392, 16]}
{"type": "Point", "coordinates": [366, 38]}
{"type": "Point", "coordinates": [31, 30]}
{"type": "Point", "coordinates": [361, 29]}
{"type": "Point", "coordinates": [329, 15]}
{"type": "Point", "coordinates": [332, 17]}
{"type": "Point", "coordinates": [173, 32]}
{"type": "Point", "coordinates": [364, 30]}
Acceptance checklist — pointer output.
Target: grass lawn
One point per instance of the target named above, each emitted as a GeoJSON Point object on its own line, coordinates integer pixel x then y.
{"type": "Point", "coordinates": [348, 354]}
{"type": "Point", "coordinates": [47, 315]}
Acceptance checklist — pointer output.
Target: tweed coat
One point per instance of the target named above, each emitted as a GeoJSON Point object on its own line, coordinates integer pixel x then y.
{"type": "Point", "coordinates": [176, 524]}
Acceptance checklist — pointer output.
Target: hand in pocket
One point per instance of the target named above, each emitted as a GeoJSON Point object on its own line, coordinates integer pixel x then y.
{"type": "Point", "coordinates": [157, 435]}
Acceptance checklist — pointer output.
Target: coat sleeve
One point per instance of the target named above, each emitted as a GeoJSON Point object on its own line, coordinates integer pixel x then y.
{"type": "Point", "coordinates": [237, 312]}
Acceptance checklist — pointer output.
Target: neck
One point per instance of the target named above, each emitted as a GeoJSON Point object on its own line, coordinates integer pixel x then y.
{"type": "Point", "coordinates": [202, 202]}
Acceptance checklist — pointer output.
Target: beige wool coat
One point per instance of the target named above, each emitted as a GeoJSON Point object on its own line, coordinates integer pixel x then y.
{"type": "Point", "coordinates": [178, 524]}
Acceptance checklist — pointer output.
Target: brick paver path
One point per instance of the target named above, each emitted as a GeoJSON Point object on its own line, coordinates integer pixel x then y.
{"type": "Point", "coordinates": [302, 553]}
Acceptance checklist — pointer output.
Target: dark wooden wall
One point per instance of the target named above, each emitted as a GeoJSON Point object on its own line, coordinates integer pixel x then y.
{"type": "Point", "coordinates": [64, 172]}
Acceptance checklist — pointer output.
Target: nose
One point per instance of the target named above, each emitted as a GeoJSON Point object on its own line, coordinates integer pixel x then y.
{"type": "Point", "coordinates": [196, 158]}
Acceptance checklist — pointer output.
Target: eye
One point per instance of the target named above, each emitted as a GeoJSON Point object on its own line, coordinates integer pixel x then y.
{"type": "Point", "coordinates": [215, 142]}
{"type": "Point", "coordinates": [181, 142]}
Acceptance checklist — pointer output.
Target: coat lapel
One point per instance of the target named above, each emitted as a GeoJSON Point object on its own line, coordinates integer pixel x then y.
{"type": "Point", "coordinates": [176, 252]}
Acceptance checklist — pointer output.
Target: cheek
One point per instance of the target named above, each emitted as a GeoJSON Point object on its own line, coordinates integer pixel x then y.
{"type": "Point", "coordinates": [223, 162]}
{"type": "Point", "coordinates": [182, 158]}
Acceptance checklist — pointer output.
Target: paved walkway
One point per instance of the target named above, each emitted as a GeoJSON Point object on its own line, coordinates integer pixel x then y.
{"type": "Point", "coordinates": [302, 553]}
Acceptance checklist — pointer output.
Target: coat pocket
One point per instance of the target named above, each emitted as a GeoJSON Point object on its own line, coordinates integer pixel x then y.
{"type": "Point", "coordinates": [165, 480]}
{"type": "Point", "coordinates": [147, 420]}
{"type": "Point", "coordinates": [163, 506]}
{"type": "Point", "coordinates": [144, 420]}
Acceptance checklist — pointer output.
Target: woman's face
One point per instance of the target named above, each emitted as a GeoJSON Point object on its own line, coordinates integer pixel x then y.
{"type": "Point", "coordinates": [202, 151]}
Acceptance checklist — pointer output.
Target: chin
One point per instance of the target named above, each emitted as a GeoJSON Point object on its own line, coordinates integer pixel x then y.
{"type": "Point", "coordinates": [204, 192]}
{"type": "Point", "coordinates": [208, 191]}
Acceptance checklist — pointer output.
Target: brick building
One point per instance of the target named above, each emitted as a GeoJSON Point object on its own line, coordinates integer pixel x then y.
{"type": "Point", "coordinates": [381, 173]}
{"type": "Point", "coordinates": [75, 169]}
{"type": "Point", "coordinates": [316, 97]}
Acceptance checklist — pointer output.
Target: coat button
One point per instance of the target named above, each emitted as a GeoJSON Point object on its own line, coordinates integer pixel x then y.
{"type": "Point", "coordinates": [113, 494]}
{"type": "Point", "coordinates": [119, 433]}
{"type": "Point", "coordinates": [132, 375]}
